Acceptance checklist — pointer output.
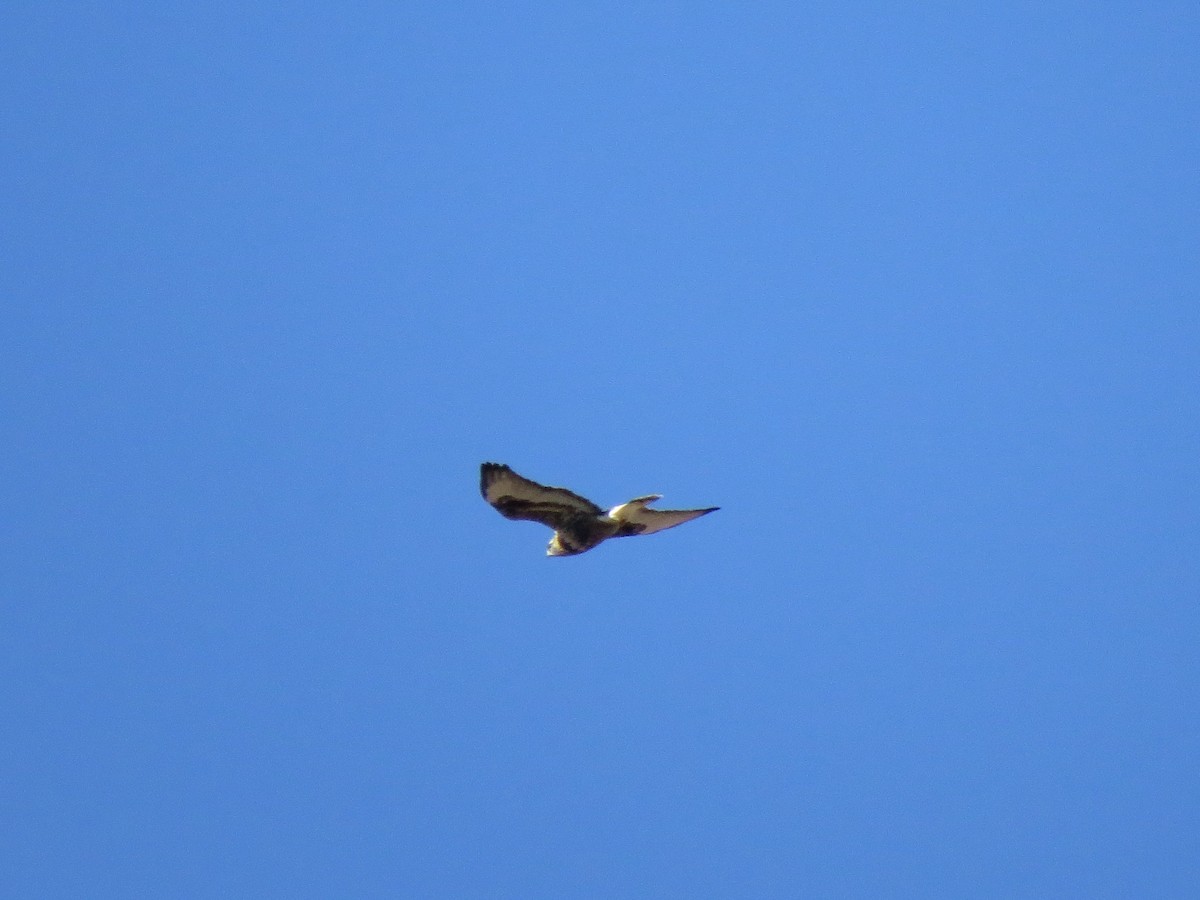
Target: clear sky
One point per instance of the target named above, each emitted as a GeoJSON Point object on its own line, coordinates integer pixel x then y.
{"type": "Point", "coordinates": [909, 291]}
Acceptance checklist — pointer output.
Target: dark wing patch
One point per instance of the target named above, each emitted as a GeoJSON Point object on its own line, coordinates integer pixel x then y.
{"type": "Point", "coordinates": [516, 497]}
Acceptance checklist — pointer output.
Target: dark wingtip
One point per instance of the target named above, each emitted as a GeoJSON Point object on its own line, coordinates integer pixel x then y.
{"type": "Point", "coordinates": [487, 471]}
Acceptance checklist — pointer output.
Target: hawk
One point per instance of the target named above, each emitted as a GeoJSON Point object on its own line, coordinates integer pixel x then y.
{"type": "Point", "coordinates": [578, 523]}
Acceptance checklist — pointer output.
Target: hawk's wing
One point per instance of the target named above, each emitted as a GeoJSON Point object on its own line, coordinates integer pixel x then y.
{"type": "Point", "coordinates": [519, 498]}
{"type": "Point", "coordinates": [636, 518]}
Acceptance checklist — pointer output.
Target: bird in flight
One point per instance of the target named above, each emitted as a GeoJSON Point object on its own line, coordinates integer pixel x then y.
{"type": "Point", "coordinates": [578, 523]}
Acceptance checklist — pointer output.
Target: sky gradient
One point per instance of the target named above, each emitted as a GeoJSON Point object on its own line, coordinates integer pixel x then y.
{"type": "Point", "coordinates": [910, 292]}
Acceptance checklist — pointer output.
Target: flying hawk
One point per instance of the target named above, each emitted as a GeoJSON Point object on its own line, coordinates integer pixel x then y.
{"type": "Point", "coordinates": [578, 523]}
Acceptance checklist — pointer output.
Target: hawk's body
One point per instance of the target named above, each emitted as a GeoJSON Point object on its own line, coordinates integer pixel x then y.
{"type": "Point", "coordinates": [578, 523]}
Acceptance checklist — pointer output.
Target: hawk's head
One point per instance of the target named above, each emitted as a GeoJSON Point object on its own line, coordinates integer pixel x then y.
{"type": "Point", "coordinates": [556, 548]}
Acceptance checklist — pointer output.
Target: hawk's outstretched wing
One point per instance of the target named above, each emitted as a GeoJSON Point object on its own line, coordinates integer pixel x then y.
{"type": "Point", "coordinates": [636, 518]}
{"type": "Point", "coordinates": [516, 497]}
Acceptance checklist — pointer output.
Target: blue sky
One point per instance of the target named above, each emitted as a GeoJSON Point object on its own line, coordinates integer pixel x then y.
{"type": "Point", "coordinates": [909, 291]}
